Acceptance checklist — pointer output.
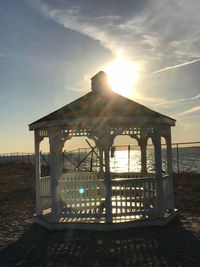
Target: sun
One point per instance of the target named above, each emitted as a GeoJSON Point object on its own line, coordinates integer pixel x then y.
{"type": "Point", "coordinates": [122, 76]}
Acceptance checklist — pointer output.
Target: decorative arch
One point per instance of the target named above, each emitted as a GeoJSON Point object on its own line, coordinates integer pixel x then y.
{"type": "Point", "coordinates": [127, 154]}
{"type": "Point", "coordinates": [136, 137]}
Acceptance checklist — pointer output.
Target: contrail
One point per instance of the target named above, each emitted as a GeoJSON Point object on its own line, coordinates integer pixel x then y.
{"type": "Point", "coordinates": [177, 101]}
{"type": "Point", "coordinates": [191, 110]}
{"type": "Point", "coordinates": [177, 66]}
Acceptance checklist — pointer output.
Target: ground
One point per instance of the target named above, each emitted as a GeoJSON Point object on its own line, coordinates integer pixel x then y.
{"type": "Point", "coordinates": [24, 243]}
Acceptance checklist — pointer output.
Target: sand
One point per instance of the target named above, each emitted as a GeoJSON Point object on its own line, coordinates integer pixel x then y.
{"type": "Point", "coordinates": [24, 243]}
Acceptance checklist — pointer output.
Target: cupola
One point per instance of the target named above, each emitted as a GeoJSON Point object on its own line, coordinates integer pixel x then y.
{"type": "Point", "coordinates": [99, 82]}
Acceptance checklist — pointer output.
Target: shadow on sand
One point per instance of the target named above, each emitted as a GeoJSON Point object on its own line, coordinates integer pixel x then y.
{"type": "Point", "coordinates": [156, 246]}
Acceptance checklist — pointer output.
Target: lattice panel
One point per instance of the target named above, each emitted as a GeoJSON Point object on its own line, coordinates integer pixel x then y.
{"type": "Point", "coordinates": [133, 197]}
{"type": "Point", "coordinates": [79, 132]}
{"type": "Point", "coordinates": [81, 198]}
{"type": "Point", "coordinates": [45, 192]}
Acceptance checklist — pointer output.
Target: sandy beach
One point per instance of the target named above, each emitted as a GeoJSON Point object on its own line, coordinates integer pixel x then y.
{"type": "Point", "coordinates": [24, 243]}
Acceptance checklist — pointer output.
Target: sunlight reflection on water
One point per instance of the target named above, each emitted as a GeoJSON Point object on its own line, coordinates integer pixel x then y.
{"type": "Point", "coordinates": [125, 161]}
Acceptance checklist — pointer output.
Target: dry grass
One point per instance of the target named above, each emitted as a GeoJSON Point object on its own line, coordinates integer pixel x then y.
{"type": "Point", "coordinates": [17, 195]}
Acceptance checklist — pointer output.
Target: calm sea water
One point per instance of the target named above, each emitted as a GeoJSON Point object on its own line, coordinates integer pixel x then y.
{"type": "Point", "coordinates": [187, 160]}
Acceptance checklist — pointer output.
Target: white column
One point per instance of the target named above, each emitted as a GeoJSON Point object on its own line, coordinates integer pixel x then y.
{"type": "Point", "coordinates": [100, 160]}
{"type": "Point", "coordinates": [38, 139]}
{"type": "Point", "coordinates": [108, 186]}
{"type": "Point", "coordinates": [143, 147]}
{"type": "Point", "coordinates": [170, 171]}
{"type": "Point", "coordinates": [104, 142]}
{"type": "Point", "coordinates": [55, 141]}
{"type": "Point", "coordinates": [158, 167]}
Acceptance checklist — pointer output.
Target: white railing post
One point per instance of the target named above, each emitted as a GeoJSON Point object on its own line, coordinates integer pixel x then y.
{"type": "Point", "coordinates": [39, 209]}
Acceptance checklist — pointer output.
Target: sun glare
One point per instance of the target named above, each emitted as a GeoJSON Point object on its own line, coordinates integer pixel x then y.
{"type": "Point", "coordinates": [122, 76]}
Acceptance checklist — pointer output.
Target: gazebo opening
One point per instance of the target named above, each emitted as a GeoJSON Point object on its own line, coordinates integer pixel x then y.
{"type": "Point", "coordinates": [84, 189]}
{"type": "Point", "coordinates": [80, 153]}
{"type": "Point", "coordinates": [150, 156]}
{"type": "Point", "coordinates": [125, 155]}
{"type": "Point", "coordinates": [164, 156]}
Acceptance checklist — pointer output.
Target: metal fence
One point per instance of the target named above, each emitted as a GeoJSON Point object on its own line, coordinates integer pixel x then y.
{"type": "Point", "coordinates": [21, 157]}
{"type": "Point", "coordinates": [185, 157]}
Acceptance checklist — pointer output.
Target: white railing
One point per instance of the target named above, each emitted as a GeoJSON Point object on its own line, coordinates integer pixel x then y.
{"type": "Point", "coordinates": [82, 195]}
{"type": "Point", "coordinates": [80, 176]}
{"type": "Point", "coordinates": [83, 198]}
{"type": "Point", "coordinates": [133, 196]}
{"type": "Point", "coordinates": [45, 192]}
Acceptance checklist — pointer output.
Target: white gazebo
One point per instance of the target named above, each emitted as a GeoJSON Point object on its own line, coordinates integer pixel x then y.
{"type": "Point", "coordinates": [103, 200]}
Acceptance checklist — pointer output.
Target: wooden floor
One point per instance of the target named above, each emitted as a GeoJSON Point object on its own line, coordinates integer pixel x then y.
{"type": "Point", "coordinates": [99, 224]}
{"type": "Point", "coordinates": [85, 216]}
{"type": "Point", "coordinates": [86, 220]}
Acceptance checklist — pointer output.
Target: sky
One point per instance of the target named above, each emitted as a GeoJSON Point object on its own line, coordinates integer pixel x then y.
{"type": "Point", "coordinates": [49, 50]}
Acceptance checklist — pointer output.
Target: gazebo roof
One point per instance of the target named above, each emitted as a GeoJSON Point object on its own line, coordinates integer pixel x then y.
{"type": "Point", "coordinates": [101, 107]}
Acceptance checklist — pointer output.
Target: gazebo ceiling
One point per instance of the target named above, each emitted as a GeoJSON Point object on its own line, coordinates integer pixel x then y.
{"type": "Point", "coordinates": [99, 107]}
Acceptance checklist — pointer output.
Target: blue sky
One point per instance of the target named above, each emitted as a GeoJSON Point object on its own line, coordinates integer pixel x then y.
{"type": "Point", "coordinates": [49, 50]}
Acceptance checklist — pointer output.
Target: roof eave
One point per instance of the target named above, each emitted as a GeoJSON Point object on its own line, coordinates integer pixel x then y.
{"type": "Point", "coordinates": [89, 122]}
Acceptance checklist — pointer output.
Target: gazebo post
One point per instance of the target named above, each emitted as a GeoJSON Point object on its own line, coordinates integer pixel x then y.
{"type": "Point", "coordinates": [97, 139]}
{"type": "Point", "coordinates": [101, 160]}
{"type": "Point", "coordinates": [169, 168]}
{"type": "Point", "coordinates": [143, 148]}
{"type": "Point", "coordinates": [104, 141]}
{"type": "Point", "coordinates": [38, 139]}
{"type": "Point", "coordinates": [158, 167]}
{"type": "Point", "coordinates": [56, 144]}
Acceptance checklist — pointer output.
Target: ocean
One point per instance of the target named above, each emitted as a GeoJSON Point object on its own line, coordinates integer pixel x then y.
{"type": "Point", "coordinates": [185, 159]}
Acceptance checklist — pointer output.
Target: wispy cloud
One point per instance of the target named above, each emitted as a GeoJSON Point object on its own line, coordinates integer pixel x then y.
{"type": "Point", "coordinates": [177, 66]}
{"type": "Point", "coordinates": [150, 101]}
{"type": "Point", "coordinates": [159, 31]}
{"type": "Point", "coordinates": [188, 111]}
